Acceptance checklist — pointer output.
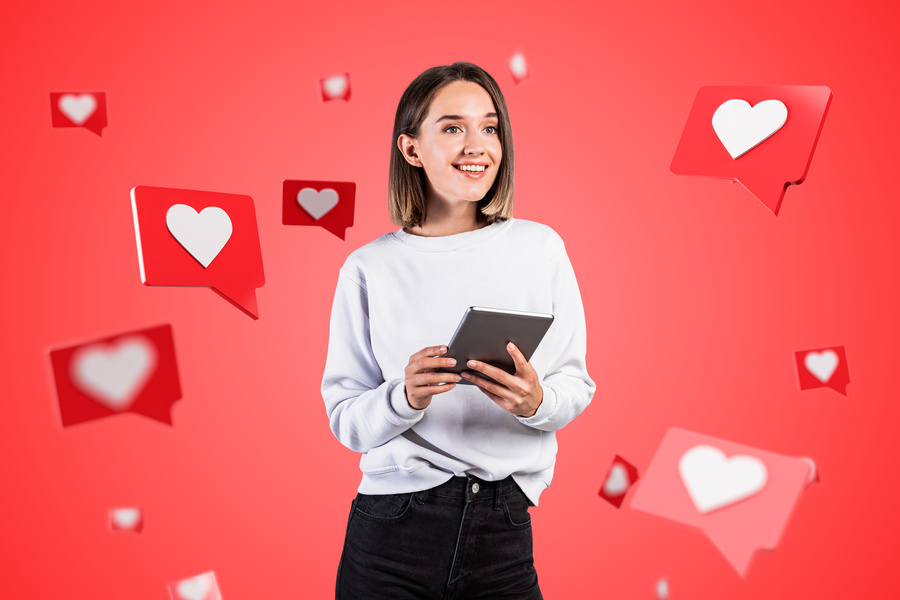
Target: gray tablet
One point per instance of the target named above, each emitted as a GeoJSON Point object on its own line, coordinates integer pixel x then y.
{"type": "Point", "coordinates": [483, 333]}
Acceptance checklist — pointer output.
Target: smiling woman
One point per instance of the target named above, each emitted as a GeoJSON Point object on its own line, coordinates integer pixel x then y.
{"type": "Point", "coordinates": [449, 472]}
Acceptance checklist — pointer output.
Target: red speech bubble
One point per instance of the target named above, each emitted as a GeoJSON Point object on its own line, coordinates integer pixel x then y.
{"type": "Point", "coordinates": [336, 88]}
{"type": "Point", "coordinates": [126, 519]}
{"type": "Point", "coordinates": [200, 587]}
{"type": "Point", "coordinates": [79, 109]}
{"type": "Point", "coordinates": [739, 496]}
{"type": "Point", "coordinates": [619, 478]}
{"type": "Point", "coordinates": [760, 136]}
{"type": "Point", "coordinates": [131, 372]}
{"type": "Point", "coordinates": [193, 238]}
{"type": "Point", "coordinates": [823, 367]}
{"type": "Point", "coordinates": [326, 204]}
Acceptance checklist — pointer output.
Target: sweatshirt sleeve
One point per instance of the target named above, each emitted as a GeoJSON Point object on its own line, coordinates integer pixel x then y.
{"type": "Point", "coordinates": [364, 410]}
{"type": "Point", "coordinates": [568, 388]}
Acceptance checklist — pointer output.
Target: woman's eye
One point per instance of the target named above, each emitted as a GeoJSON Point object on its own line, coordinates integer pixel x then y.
{"type": "Point", "coordinates": [452, 127]}
{"type": "Point", "coordinates": [492, 128]}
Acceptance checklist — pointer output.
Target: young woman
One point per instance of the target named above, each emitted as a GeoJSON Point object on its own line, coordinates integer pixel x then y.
{"type": "Point", "coordinates": [450, 471]}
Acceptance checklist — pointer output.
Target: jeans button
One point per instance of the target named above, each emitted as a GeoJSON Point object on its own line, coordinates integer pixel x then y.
{"type": "Point", "coordinates": [475, 488]}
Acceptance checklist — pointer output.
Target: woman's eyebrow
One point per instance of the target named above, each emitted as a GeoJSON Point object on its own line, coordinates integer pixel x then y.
{"type": "Point", "coordinates": [490, 115]}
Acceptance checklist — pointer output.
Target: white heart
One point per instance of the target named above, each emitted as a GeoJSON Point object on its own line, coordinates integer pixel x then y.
{"type": "Point", "coordinates": [202, 234]}
{"type": "Point", "coordinates": [317, 204]}
{"type": "Point", "coordinates": [195, 588]}
{"type": "Point", "coordinates": [517, 66]}
{"type": "Point", "coordinates": [662, 590]}
{"type": "Point", "coordinates": [126, 518]}
{"type": "Point", "coordinates": [616, 482]}
{"type": "Point", "coordinates": [713, 480]}
{"type": "Point", "coordinates": [741, 128]}
{"type": "Point", "coordinates": [822, 364]}
{"type": "Point", "coordinates": [113, 376]}
{"type": "Point", "coordinates": [77, 108]}
{"type": "Point", "coordinates": [336, 86]}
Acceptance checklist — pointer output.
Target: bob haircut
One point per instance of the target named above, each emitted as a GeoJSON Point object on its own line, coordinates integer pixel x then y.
{"type": "Point", "coordinates": [406, 184]}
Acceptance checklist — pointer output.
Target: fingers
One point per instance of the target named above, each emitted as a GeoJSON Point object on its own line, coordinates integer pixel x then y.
{"type": "Point", "coordinates": [429, 351]}
{"type": "Point", "coordinates": [517, 356]}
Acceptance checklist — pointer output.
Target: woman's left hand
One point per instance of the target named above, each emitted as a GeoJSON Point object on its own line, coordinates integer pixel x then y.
{"type": "Point", "coordinates": [520, 393]}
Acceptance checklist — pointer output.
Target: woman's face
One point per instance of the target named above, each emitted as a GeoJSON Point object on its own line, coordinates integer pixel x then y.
{"type": "Point", "coordinates": [458, 144]}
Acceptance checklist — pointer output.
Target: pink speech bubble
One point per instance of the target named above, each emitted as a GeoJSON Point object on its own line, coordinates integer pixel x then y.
{"type": "Point", "coordinates": [79, 109]}
{"type": "Point", "coordinates": [739, 496]}
{"type": "Point", "coordinates": [131, 372]}
{"type": "Point", "coordinates": [126, 519]}
{"type": "Point", "coordinates": [761, 136]}
{"type": "Point", "coordinates": [823, 367]}
{"type": "Point", "coordinates": [194, 238]}
{"type": "Point", "coordinates": [336, 87]}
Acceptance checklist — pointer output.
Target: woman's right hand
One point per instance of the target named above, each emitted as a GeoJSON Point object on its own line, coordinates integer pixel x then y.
{"type": "Point", "coordinates": [422, 381]}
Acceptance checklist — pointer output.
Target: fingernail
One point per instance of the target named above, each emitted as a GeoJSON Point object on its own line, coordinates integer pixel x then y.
{"type": "Point", "coordinates": [466, 375]}
{"type": "Point", "coordinates": [443, 348]}
{"type": "Point", "coordinates": [472, 363]}
{"type": "Point", "coordinates": [457, 377]}
{"type": "Point", "coordinates": [511, 346]}
{"type": "Point", "coordinates": [451, 362]}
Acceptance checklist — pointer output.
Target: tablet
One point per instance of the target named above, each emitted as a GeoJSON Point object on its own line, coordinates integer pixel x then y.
{"type": "Point", "coordinates": [483, 333]}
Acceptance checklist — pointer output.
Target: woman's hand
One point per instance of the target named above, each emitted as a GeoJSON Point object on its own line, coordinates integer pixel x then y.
{"type": "Point", "coordinates": [421, 381]}
{"type": "Point", "coordinates": [520, 393]}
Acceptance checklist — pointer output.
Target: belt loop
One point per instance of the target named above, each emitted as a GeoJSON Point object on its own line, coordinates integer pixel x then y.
{"type": "Point", "coordinates": [496, 495]}
{"type": "Point", "coordinates": [419, 497]}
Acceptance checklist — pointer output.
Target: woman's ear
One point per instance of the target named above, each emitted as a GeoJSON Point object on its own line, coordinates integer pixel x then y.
{"type": "Point", "coordinates": [408, 149]}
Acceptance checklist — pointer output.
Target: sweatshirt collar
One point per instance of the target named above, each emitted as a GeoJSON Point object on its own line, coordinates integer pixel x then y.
{"type": "Point", "coordinates": [456, 241]}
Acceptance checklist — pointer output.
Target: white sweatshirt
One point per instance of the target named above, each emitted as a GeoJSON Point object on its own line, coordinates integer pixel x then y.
{"type": "Point", "coordinates": [401, 293]}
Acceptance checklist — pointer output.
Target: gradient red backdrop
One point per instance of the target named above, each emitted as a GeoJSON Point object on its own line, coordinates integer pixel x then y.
{"type": "Point", "coordinates": [696, 295]}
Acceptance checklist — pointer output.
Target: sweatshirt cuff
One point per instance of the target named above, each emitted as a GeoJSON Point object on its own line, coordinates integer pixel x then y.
{"type": "Point", "coordinates": [544, 411]}
{"type": "Point", "coordinates": [401, 406]}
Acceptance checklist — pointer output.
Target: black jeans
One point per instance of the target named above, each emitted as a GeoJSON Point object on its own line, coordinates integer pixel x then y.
{"type": "Point", "coordinates": [462, 540]}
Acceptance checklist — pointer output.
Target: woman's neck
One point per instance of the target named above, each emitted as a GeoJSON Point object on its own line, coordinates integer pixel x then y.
{"type": "Point", "coordinates": [444, 220]}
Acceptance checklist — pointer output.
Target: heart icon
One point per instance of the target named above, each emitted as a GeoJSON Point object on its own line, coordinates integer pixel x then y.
{"type": "Point", "coordinates": [317, 204]}
{"type": "Point", "coordinates": [616, 482]}
{"type": "Point", "coordinates": [126, 518]}
{"type": "Point", "coordinates": [77, 108]}
{"type": "Point", "coordinates": [713, 480]}
{"type": "Point", "coordinates": [741, 128]}
{"type": "Point", "coordinates": [195, 588]}
{"type": "Point", "coordinates": [518, 67]}
{"type": "Point", "coordinates": [202, 234]}
{"type": "Point", "coordinates": [336, 87]}
{"type": "Point", "coordinates": [821, 364]}
{"type": "Point", "coordinates": [114, 376]}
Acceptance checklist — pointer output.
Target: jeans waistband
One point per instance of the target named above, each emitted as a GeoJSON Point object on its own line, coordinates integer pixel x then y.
{"type": "Point", "coordinates": [474, 488]}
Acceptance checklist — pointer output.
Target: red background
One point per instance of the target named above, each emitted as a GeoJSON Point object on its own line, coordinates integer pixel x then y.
{"type": "Point", "coordinates": [696, 295]}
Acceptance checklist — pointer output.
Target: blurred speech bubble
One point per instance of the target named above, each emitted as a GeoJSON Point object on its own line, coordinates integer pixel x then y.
{"type": "Point", "coordinates": [336, 88]}
{"type": "Point", "coordinates": [194, 238]}
{"type": "Point", "coordinates": [739, 496]}
{"type": "Point", "coordinates": [760, 136]}
{"type": "Point", "coordinates": [823, 367]}
{"type": "Point", "coordinates": [619, 478]}
{"type": "Point", "coordinates": [126, 519]}
{"type": "Point", "coordinates": [131, 372]}
{"type": "Point", "coordinates": [200, 587]}
{"type": "Point", "coordinates": [325, 204]}
{"type": "Point", "coordinates": [79, 109]}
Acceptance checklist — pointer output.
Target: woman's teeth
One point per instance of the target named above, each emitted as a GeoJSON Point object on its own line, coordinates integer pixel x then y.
{"type": "Point", "coordinates": [472, 168]}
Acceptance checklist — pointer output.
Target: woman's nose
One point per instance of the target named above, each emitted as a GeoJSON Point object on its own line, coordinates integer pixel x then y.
{"type": "Point", "coordinates": [474, 143]}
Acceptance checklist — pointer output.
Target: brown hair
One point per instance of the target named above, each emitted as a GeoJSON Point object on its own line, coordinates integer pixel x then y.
{"type": "Point", "coordinates": [406, 183]}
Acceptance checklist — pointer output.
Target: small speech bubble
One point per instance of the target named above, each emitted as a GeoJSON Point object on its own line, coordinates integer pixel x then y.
{"type": "Point", "coordinates": [126, 519]}
{"type": "Point", "coordinates": [194, 238]}
{"type": "Point", "coordinates": [325, 204]}
{"type": "Point", "coordinates": [131, 372]}
{"type": "Point", "coordinates": [823, 367]}
{"type": "Point", "coordinates": [739, 496]}
{"type": "Point", "coordinates": [200, 587]}
{"type": "Point", "coordinates": [79, 109]}
{"type": "Point", "coordinates": [336, 88]}
{"type": "Point", "coordinates": [620, 477]}
{"type": "Point", "coordinates": [518, 68]}
{"type": "Point", "coordinates": [760, 136]}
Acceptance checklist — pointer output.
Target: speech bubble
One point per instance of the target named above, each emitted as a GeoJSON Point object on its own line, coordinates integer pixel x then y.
{"type": "Point", "coordinates": [126, 519]}
{"type": "Point", "coordinates": [194, 238]}
{"type": "Point", "coordinates": [199, 587]}
{"type": "Point", "coordinates": [79, 109]}
{"type": "Point", "coordinates": [131, 372]}
{"type": "Point", "coordinates": [336, 88]}
{"type": "Point", "coordinates": [740, 497]}
{"type": "Point", "coordinates": [733, 132]}
{"type": "Point", "coordinates": [325, 204]}
{"type": "Point", "coordinates": [823, 367]}
{"type": "Point", "coordinates": [619, 478]}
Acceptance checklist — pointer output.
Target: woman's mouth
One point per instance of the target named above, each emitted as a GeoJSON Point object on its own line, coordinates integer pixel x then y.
{"type": "Point", "coordinates": [474, 171]}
